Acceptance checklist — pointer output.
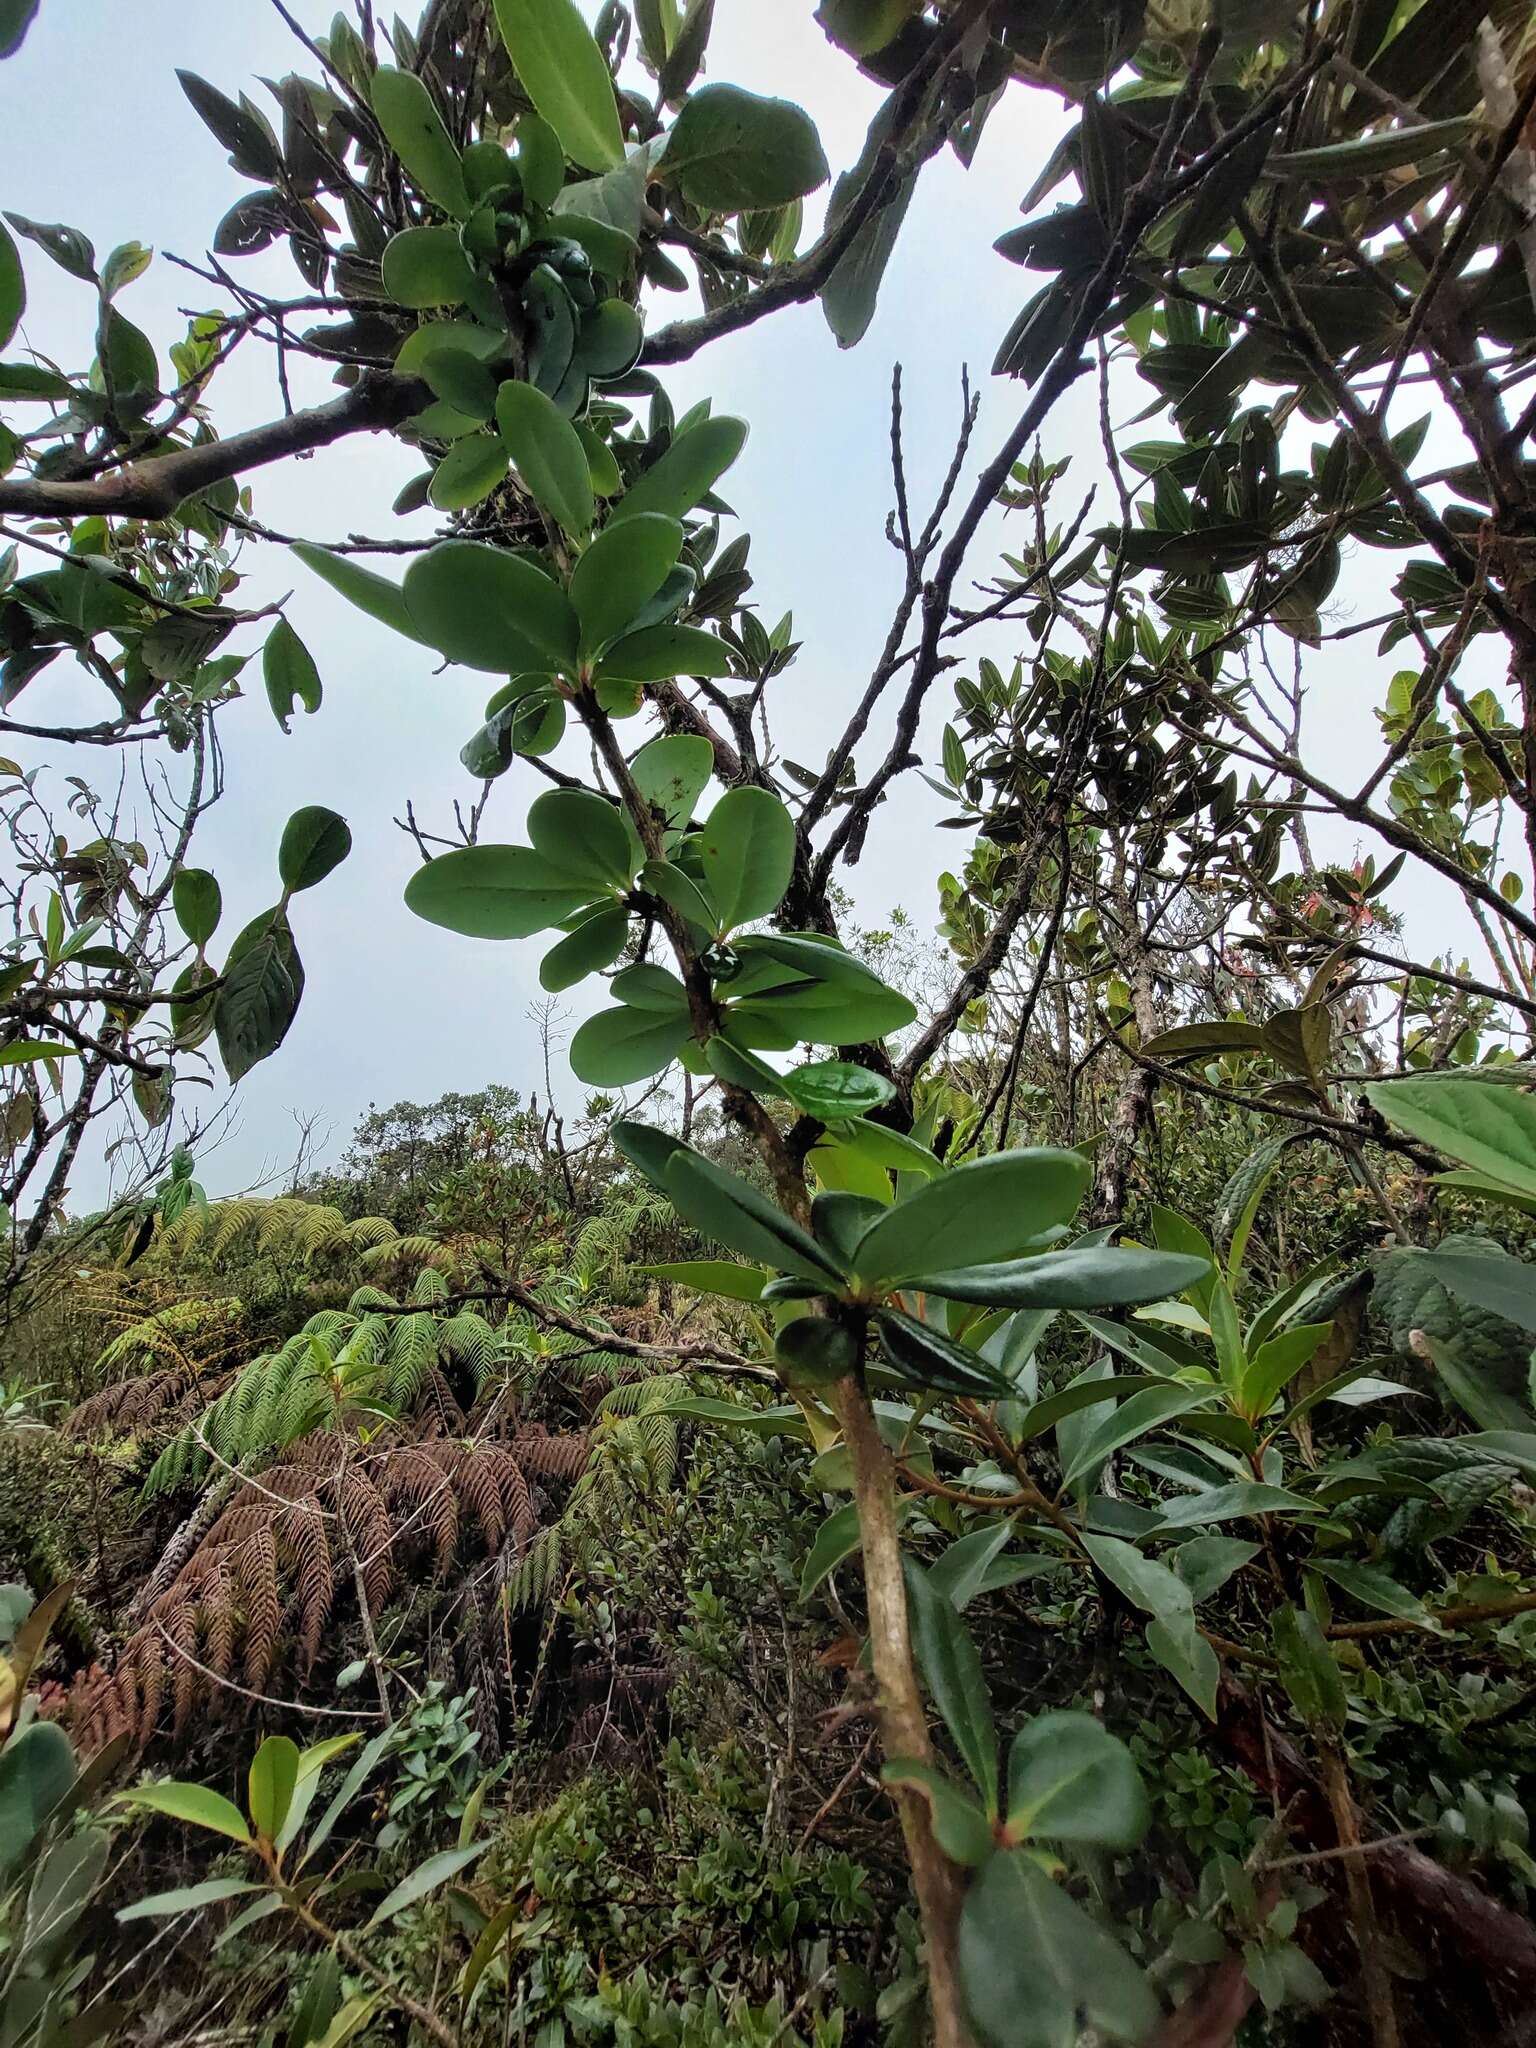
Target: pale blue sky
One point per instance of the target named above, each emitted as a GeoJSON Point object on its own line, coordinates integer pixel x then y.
{"type": "Point", "coordinates": [96, 132]}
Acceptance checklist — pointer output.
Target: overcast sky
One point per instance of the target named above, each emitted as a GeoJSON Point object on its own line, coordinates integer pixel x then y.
{"type": "Point", "coordinates": [96, 132]}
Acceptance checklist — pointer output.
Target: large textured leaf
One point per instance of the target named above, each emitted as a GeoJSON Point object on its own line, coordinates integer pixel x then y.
{"type": "Point", "coordinates": [263, 981]}
{"type": "Point", "coordinates": [414, 130]}
{"type": "Point", "coordinates": [489, 609]}
{"type": "Point", "coordinates": [982, 1211]}
{"type": "Point", "coordinates": [1494, 1281]}
{"type": "Point", "coordinates": [619, 1046]}
{"type": "Point", "coordinates": [1034, 1968]}
{"type": "Point", "coordinates": [730, 150]}
{"type": "Point", "coordinates": [494, 892]}
{"type": "Point", "coordinates": [1077, 1277]}
{"type": "Point", "coordinates": [563, 72]}
{"type": "Point", "coordinates": [1478, 1123]}
{"type": "Point", "coordinates": [1070, 1780]}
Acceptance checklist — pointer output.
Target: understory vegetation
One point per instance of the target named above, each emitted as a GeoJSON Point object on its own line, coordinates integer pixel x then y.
{"type": "Point", "coordinates": [980, 1491]}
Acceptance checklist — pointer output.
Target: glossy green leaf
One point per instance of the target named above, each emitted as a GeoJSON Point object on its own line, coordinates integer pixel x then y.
{"type": "Point", "coordinates": [619, 574]}
{"type": "Point", "coordinates": [548, 455]}
{"type": "Point", "coordinates": [1372, 1587]}
{"type": "Point", "coordinates": [472, 468]}
{"type": "Point", "coordinates": [1309, 1671]}
{"type": "Point", "coordinates": [660, 878]}
{"type": "Point", "coordinates": [1132, 1420]}
{"type": "Point", "coordinates": [314, 842]}
{"type": "Point", "coordinates": [617, 1047]}
{"type": "Point", "coordinates": [1230, 1503]}
{"type": "Point", "coordinates": [199, 1805]}
{"type": "Point", "coordinates": [1172, 1634]}
{"type": "Point", "coordinates": [198, 904]}
{"type": "Point", "coordinates": [13, 287]}
{"type": "Point", "coordinates": [1035, 1968]}
{"type": "Point", "coordinates": [414, 130]}
{"type": "Point", "coordinates": [583, 836]}
{"type": "Point", "coordinates": [730, 150]}
{"type": "Point", "coordinates": [274, 1777]}
{"type": "Point", "coordinates": [370, 592]}
{"type": "Point", "coordinates": [648, 986]}
{"type": "Point", "coordinates": [289, 672]}
{"type": "Point", "coordinates": [928, 1359]}
{"type": "Point", "coordinates": [447, 337]}
{"type": "Point", "coordinates": [562, 70]}
{"type": "Point", "coordinates": [951, 1669]}
{"type": "Point", "coordinates": [494, 892]}
{"type": "Point", "coordinates": [730, 1211]}
{"type": "Point", "coordinates": [686, 471]}
{"type": "Point", "coordinates": [812, 1351]}
{"type": "Point", "coordinates": [427, 267]}
{"type": "Point", "coordinates": [712, 1276]}
{"type": "Point", "coordinates": [747, 855]}
{"type": "Point", "coordinates": [1070, 1780]}
{"type": "Point", "coordinates": [1075, 1277]}
{"type": "Point", "coordinates": [648, 1150]}
{"type": "Point", "coordinates": [834, 1089]}
{"type": "Point", "coordinates": [595, 944]}
{"type": "Point", "coordinates": [655, 654]}
{"type": "Point", "coordinates": [489, 609]}
{"type": "Point", "coordinates": [960, 1827]}
{"type": "Point", "coordinates": [982, 1211]}
{"type": "Point", "coordinates": [37, 1775]}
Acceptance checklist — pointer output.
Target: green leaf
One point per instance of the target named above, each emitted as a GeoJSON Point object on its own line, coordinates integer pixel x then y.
{"type": "Point", "coordinates": [834, 1089]}
{"type": "Point", "coordinates": [596, 943]}
{"type": "Point", "coordinates": [1309, 1671]}
{"type": "Point", "coordinates": [1188, 1041]}
{"type": "Point", "coordinates": [732, 1212]}
{"type": "Point", "coordinates": [426, 1877]}
{"type": "Point", "coordinates": [583, 835]}
{"type": "Point", "coordinates": [1366, 156]}
{"type": "Point", "coordinates": [849, 296]}
{"type": "Point", "coordinates": [960, 1827]}
{"type": "Point", "coordinates": [1144, 1412]}
{"type": "Point", "coordinates": [13, 288]}
{"type": "Point", "coordinates": [1070, 1780]}
{"type": "Point", "coordinates": [1076, 1277]}
{"type": "Point", "coordinates": [562, 71]}
{"type": "Point", "coordinates": [37, 1775]}
{"type": "Point", "coordinates": [730, 150]}
{"type": "Point", "coordinates": [371, 593]}
{"type": "Point", "coordinates": [1034, 1968]}
{"type": "Point", "coordinates": [713, 1276]}
{"type": "Point", "coordinates": [812, 1351]}
{"type": "Point", "coordinates": [16, 17]}
{"type": "Point", "coordinates": [199, 1805]}
{"type": "Point", "coordinates": [190, 1898]}
{"type": "Point", "coordinates": [489, 609]}
{"type": "Point", "coordinates": [649, 1151]}
{"type": "Point", "coordinates": [1471, 1385]}
{"type": "Point", "coordinates": [414, 130]}
{"type": "Point", "coordinates": [619, 574]}
{"type": "Point", "coordinates": [1230, 1503]}
{"type": "Point", "coordinates": [314, 842]}
{"type": "Point", "coordinates": [984, 1210]}
{"type": "Point", "coordinates": [259, 998]}
{"type": "Point", "coordinates": [671, 773]}
{"type": "Point", "coordinates": [198, 904]}
{"type": "Point", "coordinates": [472, 468]}
{"type": "Point", "coordinates": [655, 654]}
{"type": "Point", "coordinates": [747, 854]}
{"type": "Point", "coordinates": [1372, 1587]}
{"type": "Point", "coordinates": [686, 471]}
{"type": "Point", "coordinates": [1494, 1281]}
{"type": "Point", "coordinates": [289, 672]}
{"type": "Point", "coordinates": [1479, 1123]}
{"type": "Point", "coordinates": [947, 1659]}
{"type": "Point", "coordinates": [617, 1047]}
{"type": "Point", "coordinates": [494, 892]}
{"type": "Point", "coordinates": [1173, 1636]}
{"type": "Point", "coordinates": [1205, 1563]}
{"type": "Point", "coordinates": [427, 267]}
{"type": "Point", "coordinates": [648, 986]}
{"type": "Point", "coordinates": [928, 1359]}
{"type": "Point", "coordinates": [1275, 1364]}
{"type": "Point", "coordinates": [274, 1776]}
{"type": "Point", "coordinates": [439, 338]}
{"type": "Point", "coordinates": [837, 1538]}
{"type": "Point", "coordinates": [548, 455]}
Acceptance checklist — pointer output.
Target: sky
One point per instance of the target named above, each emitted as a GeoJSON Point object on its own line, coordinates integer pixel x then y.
{"type": "Point", "coordinates": [96, 132]}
